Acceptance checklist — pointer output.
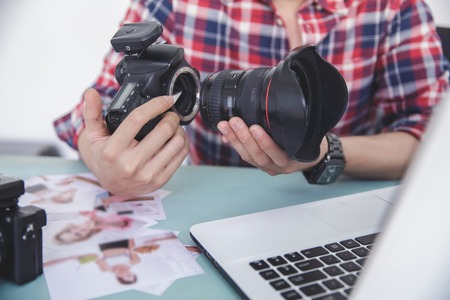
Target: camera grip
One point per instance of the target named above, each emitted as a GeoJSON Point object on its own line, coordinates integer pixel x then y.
{"type": "Point", "coordinates": [147, 128]}
{"type": "Point", "coordinates": [114, 119]}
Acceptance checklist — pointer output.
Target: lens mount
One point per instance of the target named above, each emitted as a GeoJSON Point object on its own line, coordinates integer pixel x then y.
{"type": "Point", "coordinates": [185, 80]}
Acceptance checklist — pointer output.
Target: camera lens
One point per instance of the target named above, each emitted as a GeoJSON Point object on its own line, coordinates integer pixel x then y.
{"type": "Point", "coordinates": [297, 102]}
{"type": "Point", "coordinates": [236, 93]}
{"type": "Point", "coordinates": [185, 81]}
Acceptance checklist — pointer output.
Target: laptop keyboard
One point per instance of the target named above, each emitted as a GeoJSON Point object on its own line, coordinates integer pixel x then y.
{"type": "Point", "coordinates": [323, 272]}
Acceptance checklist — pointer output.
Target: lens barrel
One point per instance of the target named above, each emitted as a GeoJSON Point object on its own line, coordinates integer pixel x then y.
{"type": "Point", "coordinates": [230, 93]}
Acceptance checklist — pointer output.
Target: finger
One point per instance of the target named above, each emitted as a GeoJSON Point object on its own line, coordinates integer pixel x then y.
{"type": "Point", "coordinates": [158, 137]}
{"type": "Point", "coordinates": [230, 135]}
{"type": "Point", "coordinates": [152, 177]}
{"type": "Point", "coordinates": [92, 113]}
{"type": "Point", "coordinates": [268, 146]}
{"type": "Point", "coordinates": [173, 153]}
{"type": "Point", "coordinates": [134, 122]}
{"type": "Point", "coordinates": [171, 149]}
{"type": "Point", "coordinates": [259, 157]}
{"type": "Point", "coordinates": [164, 164]}
{"type": "Point", "coordinates": [176, 162]}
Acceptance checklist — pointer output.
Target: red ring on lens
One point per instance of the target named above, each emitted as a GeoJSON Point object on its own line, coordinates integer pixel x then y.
{"type": "Point", "coordinates": [267, 104]}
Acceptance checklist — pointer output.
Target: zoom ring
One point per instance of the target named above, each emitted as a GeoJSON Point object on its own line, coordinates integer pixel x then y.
{"type": "Point", "coordinates": [213, 102]}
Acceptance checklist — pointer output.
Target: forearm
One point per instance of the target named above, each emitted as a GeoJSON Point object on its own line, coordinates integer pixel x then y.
{"type": "Point", "coordinates": [382, 156]}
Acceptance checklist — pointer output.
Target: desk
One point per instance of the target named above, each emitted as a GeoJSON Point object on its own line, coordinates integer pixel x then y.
{"type": "Point", "coordinates": [199, 194]}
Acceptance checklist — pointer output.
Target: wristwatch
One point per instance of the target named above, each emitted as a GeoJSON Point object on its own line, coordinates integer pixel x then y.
{"type": "Point", "coordinates": [331, 166]}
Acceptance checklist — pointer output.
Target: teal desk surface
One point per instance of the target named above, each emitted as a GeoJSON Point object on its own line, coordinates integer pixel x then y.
{"type": "Point", "coordinates": [199, 194]}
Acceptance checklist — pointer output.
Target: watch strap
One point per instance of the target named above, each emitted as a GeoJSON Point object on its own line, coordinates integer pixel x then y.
{"type": "Point", "coordinates": [334, 155]}
{"type": "Point", "coordinates": [335, 150]}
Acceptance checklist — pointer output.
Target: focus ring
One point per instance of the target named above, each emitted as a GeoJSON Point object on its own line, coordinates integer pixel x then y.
{"type": "Point", "coordinates": [248, 102]}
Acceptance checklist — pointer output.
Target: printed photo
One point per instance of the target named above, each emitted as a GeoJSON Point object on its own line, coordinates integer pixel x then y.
{"type": "Point", "coordinates": [151, 259]}
{"type": "Point", "coordinates": [62, 193]}
{"type": "Point", "coordinates": [64, 235]}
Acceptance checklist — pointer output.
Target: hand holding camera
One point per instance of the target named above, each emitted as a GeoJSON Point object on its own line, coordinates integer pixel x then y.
{"type": "Point", "coordinates": [121, 164]}
{"type": "Point", "coordinates": [297, 102]}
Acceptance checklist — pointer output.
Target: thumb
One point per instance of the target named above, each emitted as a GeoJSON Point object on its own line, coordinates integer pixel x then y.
{"type": "Point", "coordinates": [93, 117]}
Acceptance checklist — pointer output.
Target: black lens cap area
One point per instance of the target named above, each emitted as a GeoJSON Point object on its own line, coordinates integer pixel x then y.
{"type": "Point", "coordinates": [133, 37]}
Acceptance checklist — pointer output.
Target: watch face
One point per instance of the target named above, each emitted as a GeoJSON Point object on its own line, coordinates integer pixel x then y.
{"type": "Point", "coordinates": [330, 173]}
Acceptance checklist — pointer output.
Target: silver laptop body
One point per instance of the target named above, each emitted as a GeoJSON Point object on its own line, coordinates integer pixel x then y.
{"type": "Point", "coordinates": [422, 212]}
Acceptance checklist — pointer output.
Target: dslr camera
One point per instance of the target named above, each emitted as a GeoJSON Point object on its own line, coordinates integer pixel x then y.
{"type": "Point", "coordinates": [297, 102]}
{"type": "Point", "coordinates": [20, 233]}
{"type": "Point", "coordinates": [149, 70]}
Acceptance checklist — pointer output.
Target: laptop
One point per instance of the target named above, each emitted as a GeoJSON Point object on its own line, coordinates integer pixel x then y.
{"type": "Point", "coordinates": [390, 243]}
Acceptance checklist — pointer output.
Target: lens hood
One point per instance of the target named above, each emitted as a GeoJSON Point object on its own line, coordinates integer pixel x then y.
{"type": "Point", "coordinates": [306, 98]}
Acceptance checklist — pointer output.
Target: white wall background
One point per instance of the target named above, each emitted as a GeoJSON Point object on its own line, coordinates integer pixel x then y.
{"type": "Point", "coordinates": [441, 11]}
{"type": "Point", "coordinates": [51, 50]}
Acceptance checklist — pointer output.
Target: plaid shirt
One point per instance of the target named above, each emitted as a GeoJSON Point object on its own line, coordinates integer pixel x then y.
{"type": "Point", "coordinates": [387, 51]}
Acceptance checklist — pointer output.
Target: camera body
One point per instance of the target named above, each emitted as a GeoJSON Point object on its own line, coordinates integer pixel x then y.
{"type": "Point", "coordinates": [20, 233]}
{"type": "Point", "coordinates": [149, 70]}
